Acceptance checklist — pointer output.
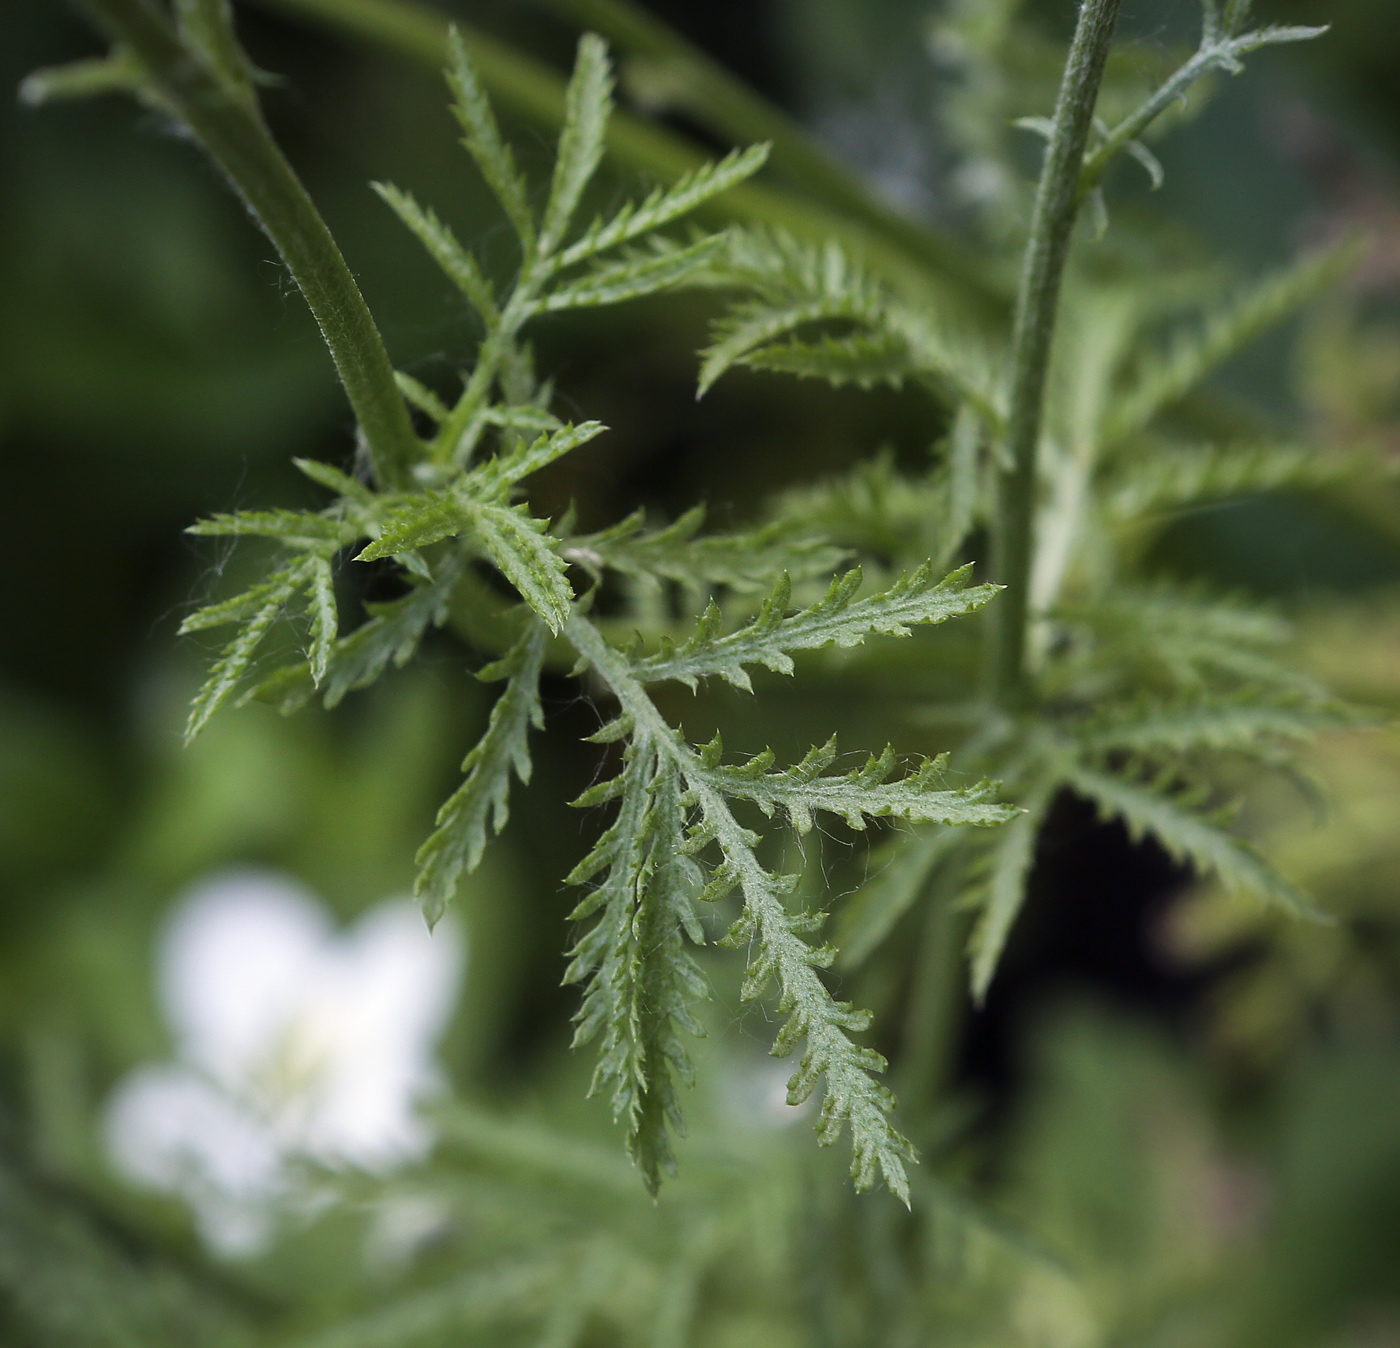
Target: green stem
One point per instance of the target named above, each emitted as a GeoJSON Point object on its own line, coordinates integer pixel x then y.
{"type": "Point", "coordinates": [1212, 52]}
{"type": "Point", "coordinates": [456, 437]}
{"type": "Point", "coordinates": [1052, 223]}
{"type": "Point", "coordinates": [227, 122]}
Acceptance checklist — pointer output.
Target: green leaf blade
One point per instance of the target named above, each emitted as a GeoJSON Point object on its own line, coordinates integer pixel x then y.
{"type": "Point", "coordinates": [1189, 837]}
{"type": "Point", "coordinates": [665, 205]}
{"type": "Point", "coordinates": [228, 670]}
{"type": "Point", "coordinates": [587, 107]}
{"type": "Point", "coordinates": [483, 800]}
{"type": "Point", "coordinates": [838, 619]}
{"type": "Point", "coordinates": [665, 268]}
{"type": "Point", "coordinates": [528, 558]}
{"type": "Point", "coordinates": [460, 267]}
{"type": "Point", "coordinates": [484, 141]}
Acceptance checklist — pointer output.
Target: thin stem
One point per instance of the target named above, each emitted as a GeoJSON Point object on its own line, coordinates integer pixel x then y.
{"type": "Point", "coordinates": [227, 122]}
{"type": "Point", "coordinates": [1052, 222]}
{"type": "Point", "coordinates": [1132, 126]}
{"type": "Point", "coordinates": [1221, 48]}
{"type": "Point", "coordinates": [456, 437]}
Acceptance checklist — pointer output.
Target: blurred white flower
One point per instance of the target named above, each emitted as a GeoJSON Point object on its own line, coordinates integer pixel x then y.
{"type": "Point", "coordinates": [294, 1040]}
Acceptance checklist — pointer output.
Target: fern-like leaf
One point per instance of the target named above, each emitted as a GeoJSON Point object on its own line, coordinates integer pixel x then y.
{"type": "Point", "coordinates": [302, 529]}
{"type": "Point", "coordinates": [461, 268]}
{"type": "Point", "coordinates": [1170, 478]}
{"type": "Point", "coordinates": [797, 285]}
{"type": "Point", "coordinates": [664, 205]}
{"type": "Point", "coordinates": [921, 796]}
{"type": "Point", "coordinates": [391, 635]}
{"type": "Point", "coordinates": [862, 359]}
{"type": "Point", "coordinates": [837, 619]}
{"type": "Point", "coordinates": [678, 552]}
{"type": "Point", "coordinates": [587, 107]}
{"type": "Point", "coordinates": [1011, 854]}
{"type": "Point", "coordinates": [556, 441]}
{"type": "Point", "coordinates": [778, 953]}
{"type": "Point", "coordinates": [1191, 643]}
{"type": "Point", "coordinates": [325, 621]}
{"type": "Point", "coordinates": [1190, 359]}
{"type": "Point", "coordinates": [1187, 836]}
{"type": "Point", "coordinates": [641, 981]}
{"type": "Point", "coordinates": [773, 935]}
{"type": "Point", "coordinates": [483, 799]}
{"type": "Point", "coordinates": [664, 267]}
{"type": "Point", "coordinates": [1241, 723]}
{"type": "Point", "coordinates": [255, 610]}
{"type": "Point", "coordinates": [528, 558]}
{"type": "Point", "coordinates": [485, 144]}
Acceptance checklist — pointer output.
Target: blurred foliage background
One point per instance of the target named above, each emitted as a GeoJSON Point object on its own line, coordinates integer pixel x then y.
{"type": "Point", "coordinates": [1175, 1120]}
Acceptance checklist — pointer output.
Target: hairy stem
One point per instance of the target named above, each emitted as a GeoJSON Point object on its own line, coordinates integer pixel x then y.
{"type": "Point", "coordinates": [225, 119]}
{"type": "Point", "coordinates": [1052, 222]}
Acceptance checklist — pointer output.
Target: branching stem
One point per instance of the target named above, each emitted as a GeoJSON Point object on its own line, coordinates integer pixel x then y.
{"type": "Point", "coordinates": [1052, 222]}
{"type": "Point", "coordinates": [226, 120]}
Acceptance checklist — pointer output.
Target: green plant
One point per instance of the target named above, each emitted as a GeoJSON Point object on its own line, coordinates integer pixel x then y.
{"type": "Point", "coordinates": [1060, 442]}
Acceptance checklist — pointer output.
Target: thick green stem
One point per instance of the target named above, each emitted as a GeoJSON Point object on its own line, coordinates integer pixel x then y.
{"type": "Point", "coordinates": [1052, 222]}
{"type": "Point", "coordinates": [226, 121]}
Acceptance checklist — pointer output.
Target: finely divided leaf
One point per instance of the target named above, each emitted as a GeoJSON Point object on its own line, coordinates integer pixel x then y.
{"type": "Point", "coordinates": [677, 552]}
{"type": "Point", "coordinates": [556, 441]}
{"type": "Point", "coordinates": [483, 798]}
{"type": "Point", "coordinates": [921, 796]}
{"type": "Point", "coordinates": [836, 619]}
{"type": "Point", "coordinates": [778, 953]}
{"type": "Point", "coordinates": [461, 267]}
{"type": "Point", "coordinates": [750, 326]}
{"type": "Point", "coordinates": [393, 632]}
{"type": "Point", "coordinates": [587, 107]}
{"type": "Point", "coordinates": [1169, 478]}
{"type": "Point", "coordinates": [325, 622]}
{"type": "Point", "coordinates": [665, 266]}
{"type": "Point", "coordinates": [863, 358]}
{"type": "Point", "coordinates": [1243, 723]}
{"type": "Point", "coordinates": [1188, 837]}
{"type": "Point", "coordinates": [303, 529]}
{"type": "Point", "coordinates": [527, 557]}
{"type": "Point", "coordinates": [1193, 643]}
{"type": "Point", "coordinates": [664, 205]}
{"type": "Point", "coordinates": [1012, 853]}
{"type": "Point", "coordinates": [257, 610]}
{"type": "Point", "coordinates": [417, 522]}
{"type": "Point", "coordinates": [1190, 359]}
{"type": "Point", "coordinates": [797, 285]}
{"type": "Point", "coordinates": [484, 142]}
{"type": "Point", "coordinates": [475, 503]}
{"type": "Point", "coordinates": [641, 981]}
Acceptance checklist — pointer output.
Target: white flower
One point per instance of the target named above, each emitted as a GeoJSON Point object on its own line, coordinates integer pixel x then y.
{"type": "Point", "coordinates": [294, 1040]}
